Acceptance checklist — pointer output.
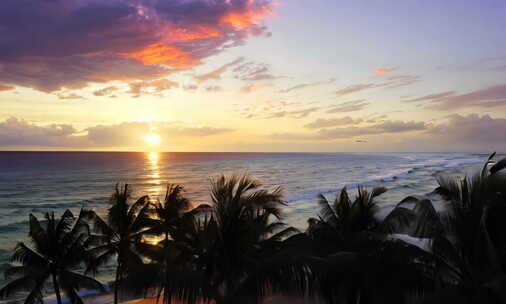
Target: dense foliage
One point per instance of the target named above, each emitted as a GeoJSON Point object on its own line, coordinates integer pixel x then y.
{"type": "Point", "coordinates": [237, 249]}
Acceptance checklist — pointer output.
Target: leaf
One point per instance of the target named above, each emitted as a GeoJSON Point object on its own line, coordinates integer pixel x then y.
{"type": "Point", "coordinates": [500, 165]}
{"type": "Point", "coordinates": [397, 221]}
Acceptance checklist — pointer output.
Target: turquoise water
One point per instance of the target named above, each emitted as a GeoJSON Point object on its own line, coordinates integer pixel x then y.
{"type": "Point", "coordinates": [37, 182]}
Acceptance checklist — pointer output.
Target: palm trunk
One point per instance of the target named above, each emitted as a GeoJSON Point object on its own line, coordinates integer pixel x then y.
{"type": "Point", "coordinates": [116, 283]}
{"type": "Point", "coordinates": [56, 289]}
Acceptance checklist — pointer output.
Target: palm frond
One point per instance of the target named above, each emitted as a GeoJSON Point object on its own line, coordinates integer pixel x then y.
{"type": "Point", "coordinates": [397, 221]}
{"type": "Point", "coordinates": [327, 213]}
{"type": "Point", "coordinates": [498, 166]}
{"type": "Point", "coordinates": [28, 257]}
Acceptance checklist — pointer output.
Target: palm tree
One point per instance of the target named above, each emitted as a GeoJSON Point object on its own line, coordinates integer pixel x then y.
{"type": "Point", "coordinates": [342, 219]}
{"type": "Point", "coordinates": [168, 215]}
{"type": "Point", "coordinates": [121, 236]}
{"type": "Point", "coordinates": [221, 250]}
{"type": "Point", "coordinates": [59, 249]}
{"type": "Point", "coordinates": [468, 239]}
{"type": "Point", "coordinates": [355, 252]}
{"type": "Point", "coordinates": [167, 220]}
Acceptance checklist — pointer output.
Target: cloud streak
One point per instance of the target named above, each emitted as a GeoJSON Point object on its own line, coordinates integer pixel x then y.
{"type": "Point", "coordinates": [216, 74]}
{"type": "Point", "coordinates": [489, 97]}
{"type": "Point", "coordinates": [349, 106]}
{"type": "Point", "coordinates": [386, 127]}
{"type": "Point", "coordinates": [307, 85]}
{"type": "Point", "coordinates": [16, 132]}
{"type": "Point", "coordinates": [332, 122]}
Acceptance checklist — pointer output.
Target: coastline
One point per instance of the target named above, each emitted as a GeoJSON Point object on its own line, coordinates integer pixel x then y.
{"type": "Point", "coordinates": [105, 298]}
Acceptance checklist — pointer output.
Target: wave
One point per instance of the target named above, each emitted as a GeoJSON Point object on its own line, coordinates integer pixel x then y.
{"type": "Point", "coordinates": [390, 176]}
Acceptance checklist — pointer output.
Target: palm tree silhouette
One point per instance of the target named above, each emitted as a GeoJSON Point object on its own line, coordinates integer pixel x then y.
{"type": "Point", "coordinates": [220, 250]}
{"type": "Point", "coordinates": [467, 239]}
{"type": "Point", "coordinates": [121, 236]}
{"type": "Point", "coordinates": [59, 249]}
{"type": "Point", "coordinates": [168, 219]}
{"type": "Point", "coordinates": [355, 252]}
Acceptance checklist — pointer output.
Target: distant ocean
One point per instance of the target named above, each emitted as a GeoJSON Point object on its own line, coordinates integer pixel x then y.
{"type": "Point", "coordinates": [37, 182]}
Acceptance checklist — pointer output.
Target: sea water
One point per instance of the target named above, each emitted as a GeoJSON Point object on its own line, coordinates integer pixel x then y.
{"type": "Point", "coordinates": [38, 182]}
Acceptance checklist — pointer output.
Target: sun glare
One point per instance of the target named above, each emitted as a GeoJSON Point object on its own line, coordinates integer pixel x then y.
{"type": "Point", "coordinates": [152, 139]}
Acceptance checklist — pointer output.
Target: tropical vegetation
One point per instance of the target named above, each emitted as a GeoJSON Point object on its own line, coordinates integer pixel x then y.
{"type": "Point", "coordinates": [238, 249]}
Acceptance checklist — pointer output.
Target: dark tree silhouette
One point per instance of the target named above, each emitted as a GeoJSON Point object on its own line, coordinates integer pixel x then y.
{"type": "Point", "coordinates": [58, 250]}
{"type": "Point", "coordinates": [468, 239]}
{"type": "Point", "coordinates": [121, 236]}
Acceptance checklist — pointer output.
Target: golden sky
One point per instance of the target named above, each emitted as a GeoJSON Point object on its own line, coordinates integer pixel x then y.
{"type": "Point", "coordinates": [252, 75]}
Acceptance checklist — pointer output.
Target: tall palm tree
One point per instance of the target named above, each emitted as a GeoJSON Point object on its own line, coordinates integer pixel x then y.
{"type": "Point", "coordinates": [221, 250]}
{"type": "Point", "coordinates": [58, 250]}
{"type": "Point", "coordinates": [168, 219]}
{"type": "Point", "coordinates": [167, 215]}
{"type": "Point", "coordinates": [120, 236]}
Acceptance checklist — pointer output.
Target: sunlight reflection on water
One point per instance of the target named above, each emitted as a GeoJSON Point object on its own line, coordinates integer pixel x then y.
{"type": "Point", "coordinates": [153, 167]}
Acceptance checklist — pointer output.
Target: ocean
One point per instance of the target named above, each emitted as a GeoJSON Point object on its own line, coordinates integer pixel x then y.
{"type": "Point", "coordinates": [37, 182]}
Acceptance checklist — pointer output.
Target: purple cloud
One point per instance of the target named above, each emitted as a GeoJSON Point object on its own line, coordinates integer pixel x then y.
{"type": "Point", "coordinates": [489, 97]}
{"type": "Point", "coordinates": [17, 132]}
{"type": "Point", "coordinates": [49, 45]}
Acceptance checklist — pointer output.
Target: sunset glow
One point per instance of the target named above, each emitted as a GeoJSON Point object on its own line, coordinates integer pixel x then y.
{"type": "Point", "coordinates": [253, 75]}
{"type": "Point", "coordinates": [153, 139]}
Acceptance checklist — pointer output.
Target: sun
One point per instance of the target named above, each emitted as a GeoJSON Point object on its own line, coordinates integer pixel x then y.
{"type": "Point", "coordinates": [152, 139]}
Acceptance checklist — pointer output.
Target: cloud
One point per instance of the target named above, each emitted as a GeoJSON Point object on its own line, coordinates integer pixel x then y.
{"type": "Point", "coordinates": [386, 127]}
{"type": "Point", "coordinates": [216, 74]}
{"type": "Point", "coordinates": [431, 96]}
{"type": "Point", "coordinates": [214, 89]}
{"type": "Point", "coordinates": [4, 88]}
{"type": "Point", "coordinates": [307, 85]}
{"type": "Point", "coordinates": [69, 96]}
{"type": "Point", "coordinates": [390, 83]}
{"type": "Point", "coordinates": [151, 87]}
{"type": "Point", "coordinates": [17, 132]}
{"type": "Point", "coordinates": [74, 72]}
{"type": "Point", "coordinates": [490, 97]}
{"type": "Point", "coordinates": [501, 68]}
{"type": "Point", "coordinates": [251, 71]}
{"type": "Point", "coordinates": [354, 88]}
{"type": "Point", "coordinates": [107, 91]}
{"type": "Point", "coordinates": [292, 114]}
{"type": "Point", "coordinates": [474, 131]}
{"type": "Point", "coordinates": [255, 87]}
{"type": "Point", "coordinates": [131, 133]}
{"type": "Point", "coordinates": [75, 42]}
{"type": "Point", "coordinates": [399, 81]}
{"type": "Point", "coordinates": [349, 106]}
{"type": "Point", "coordinates": [332, 122]}
{"type": "Point", "coordinates": [384, 71]}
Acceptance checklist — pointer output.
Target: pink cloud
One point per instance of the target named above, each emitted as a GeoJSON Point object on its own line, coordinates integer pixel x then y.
{"type": "Point", "coordinates": [384, 71]}
{"type": "Point", "coordinates": [99, 41]}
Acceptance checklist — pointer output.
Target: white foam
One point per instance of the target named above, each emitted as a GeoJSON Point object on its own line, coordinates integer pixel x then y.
{"type": "Point", "coordinates": [389, 176]}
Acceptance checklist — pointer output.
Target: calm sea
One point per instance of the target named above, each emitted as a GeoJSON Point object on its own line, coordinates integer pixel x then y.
{"type": "Point", "coordinates": [37, 182]}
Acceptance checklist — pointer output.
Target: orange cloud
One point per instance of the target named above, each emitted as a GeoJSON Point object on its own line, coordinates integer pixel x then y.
{"type": "Point", "coordinates": [5, 88]}
{"type": "Point", "coordinates": [200, 32]}
{"type": "Point", "coordinates": [381, 72]}
{"type": "Point", "coordinates": [255, 87]}
{"type": "Point", "coordinates": [158, 53]}
{"type": "Point", "coordinates": [247, 18]}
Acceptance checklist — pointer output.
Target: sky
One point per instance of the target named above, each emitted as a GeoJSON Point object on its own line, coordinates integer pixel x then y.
{"type": "Point", "coordinates": [253, 75]}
